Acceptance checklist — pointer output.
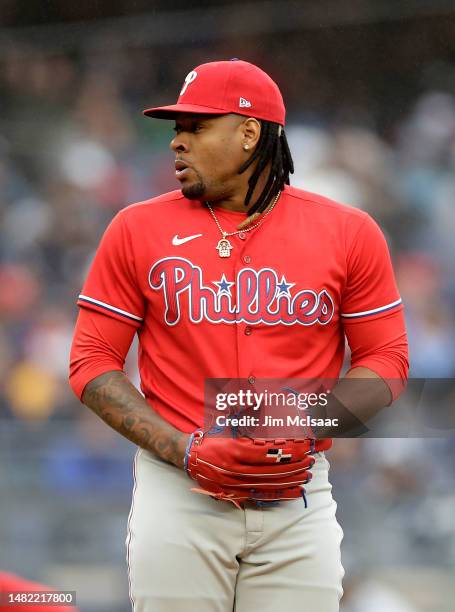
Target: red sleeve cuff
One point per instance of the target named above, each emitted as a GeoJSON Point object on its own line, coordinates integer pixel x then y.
{"type": "Point", "coordinates": [88, 372]}
{"type": "Point", "coordinates": [389, 374]}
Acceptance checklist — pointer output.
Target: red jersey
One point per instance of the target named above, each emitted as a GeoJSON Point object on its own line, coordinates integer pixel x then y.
{"type": "Point", "coordinates": [277, 307]}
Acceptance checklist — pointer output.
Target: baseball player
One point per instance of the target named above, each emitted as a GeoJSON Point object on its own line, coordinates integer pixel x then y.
{"type": "Point", "coordinates": [236, 275]}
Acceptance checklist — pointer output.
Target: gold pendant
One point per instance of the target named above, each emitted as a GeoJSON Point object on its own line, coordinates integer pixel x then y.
{"type": "Point", "coordinates": [224, 247]}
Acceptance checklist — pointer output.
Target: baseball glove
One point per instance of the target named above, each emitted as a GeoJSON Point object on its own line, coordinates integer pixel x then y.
{"type": "Point", "coordinates": [241, 469]}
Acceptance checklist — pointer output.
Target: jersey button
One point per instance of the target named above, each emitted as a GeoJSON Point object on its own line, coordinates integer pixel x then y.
{"type": "Point", "coordinates": [251, 380]}
{"type": "Point", "coordinates": [248, 330]}
{"type": "Point", "coordinates": [242, 236]}
{"type": "Point", "coordinates": [246, 259]}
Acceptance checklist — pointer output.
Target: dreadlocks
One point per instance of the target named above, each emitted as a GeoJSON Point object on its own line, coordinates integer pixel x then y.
{"type": "Point", "coordinates": [272, 149]}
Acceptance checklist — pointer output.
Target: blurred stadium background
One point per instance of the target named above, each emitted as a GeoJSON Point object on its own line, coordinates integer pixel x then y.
{"type": "Point", "coordinates": [370, 91]}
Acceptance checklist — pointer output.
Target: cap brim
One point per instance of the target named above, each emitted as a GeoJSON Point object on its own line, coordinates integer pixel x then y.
{"type": "Point", "coordinates": [169, 112]}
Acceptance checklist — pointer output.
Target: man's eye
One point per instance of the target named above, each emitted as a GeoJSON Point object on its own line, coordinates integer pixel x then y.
{"type": "Point", "coordinates": [194, 128]}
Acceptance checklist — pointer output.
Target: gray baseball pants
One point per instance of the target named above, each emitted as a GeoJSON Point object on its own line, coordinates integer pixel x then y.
{"type": "Point", "coordinates": [187, 551]}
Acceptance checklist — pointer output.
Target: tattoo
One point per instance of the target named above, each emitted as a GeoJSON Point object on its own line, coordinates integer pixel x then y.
{"type": "Point", "coordinates": [117, 401]}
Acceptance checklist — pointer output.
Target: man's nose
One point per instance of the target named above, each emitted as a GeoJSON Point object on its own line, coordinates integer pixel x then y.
{"type": "Point", "coordinates": [178, 144]}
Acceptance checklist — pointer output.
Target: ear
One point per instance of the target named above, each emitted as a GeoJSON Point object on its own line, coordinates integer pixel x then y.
{"type": "Point", "coordinates": [251, 131]}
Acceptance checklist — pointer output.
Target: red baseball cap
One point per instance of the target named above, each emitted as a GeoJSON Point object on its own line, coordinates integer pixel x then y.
{"type": "Point", "coordinates": [219, 88]}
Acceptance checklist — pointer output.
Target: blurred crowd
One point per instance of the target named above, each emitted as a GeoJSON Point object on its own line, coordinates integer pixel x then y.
{"type": "Point", "coordinates": [74, 149]}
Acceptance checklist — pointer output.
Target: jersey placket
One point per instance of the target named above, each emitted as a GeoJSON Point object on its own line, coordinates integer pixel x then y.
{"type": "Point", "coordinates": [245, 331]}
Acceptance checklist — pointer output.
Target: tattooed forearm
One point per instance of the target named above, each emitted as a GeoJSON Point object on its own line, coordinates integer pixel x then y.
{"type": "Point", "coordinates": [117, 401]}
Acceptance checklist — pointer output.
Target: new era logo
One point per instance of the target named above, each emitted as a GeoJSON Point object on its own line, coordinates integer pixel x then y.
{"type": "Point", "coordinates": [244, 103]}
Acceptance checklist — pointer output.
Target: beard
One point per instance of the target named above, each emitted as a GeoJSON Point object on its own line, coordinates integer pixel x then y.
{"type": "Point", "coordinates": [194, 191]}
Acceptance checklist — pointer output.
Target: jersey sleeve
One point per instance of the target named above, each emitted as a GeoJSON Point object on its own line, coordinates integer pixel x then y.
{"type": "Point", "coordinates": [370, 290]}
{"type": "Point", "coordinates": [111, 286]}
{"type": "Point", "coordinates": [381, 345]}
{"type": "Point", "coordinates": [100, 345]}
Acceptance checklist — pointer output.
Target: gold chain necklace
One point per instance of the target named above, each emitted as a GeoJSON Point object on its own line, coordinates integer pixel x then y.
{"type": "Point", "coordinates": [224, 246]}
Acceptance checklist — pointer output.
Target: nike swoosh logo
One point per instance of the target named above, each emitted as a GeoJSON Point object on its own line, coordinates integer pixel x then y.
{"type": "Point", "coordinates": [176, 241]}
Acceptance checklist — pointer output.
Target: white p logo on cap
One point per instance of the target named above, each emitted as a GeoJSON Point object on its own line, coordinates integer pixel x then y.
{"type": "Point", "coordinates": [190, 77]}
